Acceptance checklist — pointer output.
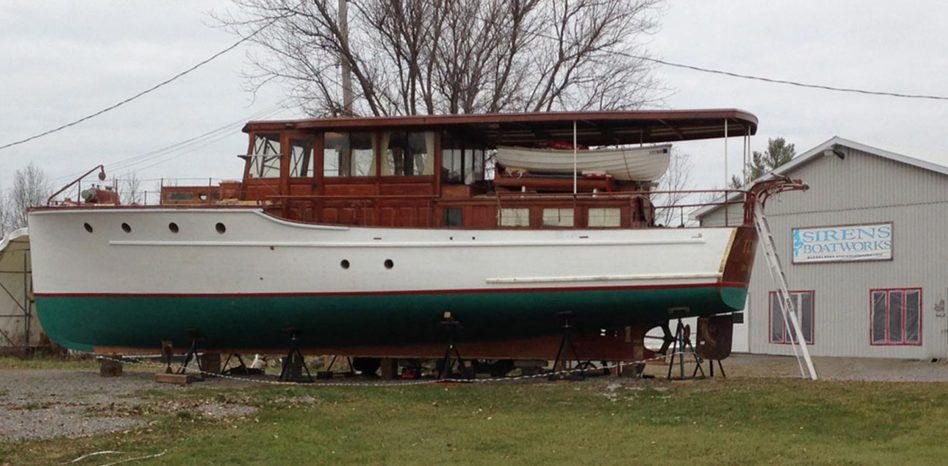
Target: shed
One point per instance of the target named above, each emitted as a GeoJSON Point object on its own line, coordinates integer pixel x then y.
{"type": "Point", "coordinates": [865, 252]}
{"type": "Point", "coordinates": [20, 330]}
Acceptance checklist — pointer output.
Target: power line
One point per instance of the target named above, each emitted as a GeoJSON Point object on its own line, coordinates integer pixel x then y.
{"type": "Point", "coordinates": [785, 81]}
{"type": "Point", "coordinates": [753, 77]}
{"type": "Point", "coordinates": [146, 91]}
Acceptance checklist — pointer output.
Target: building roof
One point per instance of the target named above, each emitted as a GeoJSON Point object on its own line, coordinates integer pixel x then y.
{"type": "Point", "coordinates": [816, 152]}
{"type": "Point", "coordinates": [593, 128]}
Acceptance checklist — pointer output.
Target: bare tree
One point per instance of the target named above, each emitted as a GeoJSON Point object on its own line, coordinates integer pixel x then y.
{"type": "Point", "coordinates": [3, 214]}
{"type": "Point", "coordinates": [30, 188]}
{"type": "Point", "coordinates": [130, 190]}
{"type": "Point", "coordinates": [677, 178]}
{"type": "Point", "coordinates": [411, 57]}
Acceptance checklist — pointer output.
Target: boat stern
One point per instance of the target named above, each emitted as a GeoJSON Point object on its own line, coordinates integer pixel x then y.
{"type": "Point", "coordinates": [737, 266]}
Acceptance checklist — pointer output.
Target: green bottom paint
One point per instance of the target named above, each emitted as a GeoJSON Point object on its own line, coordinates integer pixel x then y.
{"type": "Point", "coordinates": [84, 322]}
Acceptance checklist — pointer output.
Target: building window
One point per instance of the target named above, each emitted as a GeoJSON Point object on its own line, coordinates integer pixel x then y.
{"type": "Point", "coordinates": [896, 316]}
{"type": "Point", "coordinates": [558, 217]}
{"type": "Point", "coordinates": [514, 217]}
{"type": "Point", "coordinates": [265, 159]}
{"type": "Point", "coordinates": [780, 329]}
{"type": "Point", "coordinates": [453, 217]}
{"type": "Point", "coordinates": [349, 154]}
{"type": "Point", "coordinates": [408, 154]}
{"type": "Point", "coordinates": [604, 217]}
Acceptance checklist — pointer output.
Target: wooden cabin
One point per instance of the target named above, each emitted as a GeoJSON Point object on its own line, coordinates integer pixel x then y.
{"type": "Point", "coordinates": [438, 172]}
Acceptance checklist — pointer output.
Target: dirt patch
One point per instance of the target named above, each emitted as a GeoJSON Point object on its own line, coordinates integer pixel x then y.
{"type": "Point", "coordinates": [50, 403]}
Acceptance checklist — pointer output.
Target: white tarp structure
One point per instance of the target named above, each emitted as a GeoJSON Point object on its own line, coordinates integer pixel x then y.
{"type": "Point", "coordinates": [19, 326]}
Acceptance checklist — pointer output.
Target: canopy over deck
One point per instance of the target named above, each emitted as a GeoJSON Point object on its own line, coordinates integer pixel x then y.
{"type": "Point", "coordinates": [593, 128]}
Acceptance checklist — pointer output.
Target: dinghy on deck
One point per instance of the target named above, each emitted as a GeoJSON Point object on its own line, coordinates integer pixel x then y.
{"type": "Point", "coordinates": [630, 163]}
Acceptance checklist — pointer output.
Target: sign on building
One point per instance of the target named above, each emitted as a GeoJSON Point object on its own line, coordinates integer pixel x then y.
{"type": "Point", "coordinates": [844, 243]}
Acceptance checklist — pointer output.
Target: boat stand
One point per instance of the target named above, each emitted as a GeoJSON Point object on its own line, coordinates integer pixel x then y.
{"type": "Point", "coordinates": [242, 366]}
{"type": "Point", "coordinates": [561, 362]}
{"type": "Point", "coordinates": [450, 327]}
{"type": "Point", "coordinates": [294, 364]}
{"type": "Point", "coordinates": [711, 368]}
{"type": "Point", "coordinates": [681, 344]}
{"type": "Point", "coordinates": [192, 355]}
{"type": "Point", "coordinates": [328, 374]}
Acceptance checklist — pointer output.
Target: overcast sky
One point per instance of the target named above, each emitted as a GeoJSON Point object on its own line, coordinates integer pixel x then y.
{"type": "Point", "coordinates": [65, 59]}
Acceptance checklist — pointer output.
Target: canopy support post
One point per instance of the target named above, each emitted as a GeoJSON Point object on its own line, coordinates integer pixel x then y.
{"type": "Point", "coordinates": [725, 155]}
{"type": "Point", "coordinates": [574, 160]}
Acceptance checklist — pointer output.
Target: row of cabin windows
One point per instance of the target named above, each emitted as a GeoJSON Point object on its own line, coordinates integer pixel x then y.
{"type": "Point", "coordinates": [601, 217]}
{"type": "Point", "coordinates": [895, 317]}
{"type": "Point", "coordinates": [353, 154]}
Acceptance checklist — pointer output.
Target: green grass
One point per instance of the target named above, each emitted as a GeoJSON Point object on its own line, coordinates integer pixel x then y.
{"type": "Point", "coordinates": [733, 421]}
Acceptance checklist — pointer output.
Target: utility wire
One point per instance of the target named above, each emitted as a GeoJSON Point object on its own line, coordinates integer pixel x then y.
{"type": "Point", "coordinates": [752, 77]}
{"type": "Point", "coordinates": [785, 81]}
{"type": "Point", "coordinates": [146, 91]}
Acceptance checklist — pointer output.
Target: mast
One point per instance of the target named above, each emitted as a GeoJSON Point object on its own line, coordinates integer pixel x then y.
{"type": "Point", "coordinates": [346, 68]}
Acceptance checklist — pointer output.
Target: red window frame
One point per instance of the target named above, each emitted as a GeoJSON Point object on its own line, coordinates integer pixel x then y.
{"type": "Point", "coordinates": [888, 338]}
{"type": "Point", "coordinates": [786, 337]}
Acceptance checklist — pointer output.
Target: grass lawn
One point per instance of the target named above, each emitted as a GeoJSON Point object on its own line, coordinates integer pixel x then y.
{"type": "Point", "coordinates": [593, 422]}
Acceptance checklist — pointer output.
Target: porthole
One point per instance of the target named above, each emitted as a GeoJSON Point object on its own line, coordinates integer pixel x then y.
{"type": "Point", "coordinates": [389, 264]}
{"type": "Point", "coordinates": [173, 227]}
{"type": "Point", "coordinates": [220, 228]}
{"type": "Point", "coordinates": [87, 227]}
{"type": "Point", "coordinates": [126, 228]}
{"type": "Point", "coordinates": [344, 264]}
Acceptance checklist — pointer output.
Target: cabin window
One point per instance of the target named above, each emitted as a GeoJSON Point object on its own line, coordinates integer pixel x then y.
{"type": "Point", "coordinates": [301, 158]}
{"type": "Point", "coordinates": [349, 154]}
{"type": "Point", "coordinates": [896, 317]}
{"type": "Point", "coordinates": [265, 160]}
{"type": "Point", "coordinates": [408, 154]}
{"type": "Point", "coordinates": [514, 217]}
{"type": "Point", "coordinates": [453, 217]}
{"type": "Point", "coordinates": [779, 329]}
{"type": "Point", "coordinates": [461, 162]}
{"type": "Point", "coordinates": [604, 217]}
{"type": "Point", "coordinates": [557, 217]}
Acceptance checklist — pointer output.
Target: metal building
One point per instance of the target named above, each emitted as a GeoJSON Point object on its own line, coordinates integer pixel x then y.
{"type": "Point", "coordinates": [865, 251]}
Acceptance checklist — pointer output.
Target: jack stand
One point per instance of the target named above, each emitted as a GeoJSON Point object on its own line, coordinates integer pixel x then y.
{"type": "Point", "coordinates": [711, 368]}
{"type": "Point", "coordinates": [192, 354]}
{"type": "Point", "coordinates": [566, 343]}
{"type": "Point", "coordinates": [681, 343]}
{"type": "Point", "coordinates": [294, 364]}
{"type": "Point", "coordinates": [241, 368]}
{"type": "Point", "coordinates": [167, 353]}
{"type": "Point", "coordinates": [451, 353]}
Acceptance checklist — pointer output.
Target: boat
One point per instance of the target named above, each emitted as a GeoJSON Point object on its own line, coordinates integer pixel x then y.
{"type": "Point", "coordinates": [364, 236]}
{"type": "Point", "coordinates": [624, 163]}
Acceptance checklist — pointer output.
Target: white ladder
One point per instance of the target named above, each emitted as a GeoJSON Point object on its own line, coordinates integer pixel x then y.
{"type": "Point", "coordinates": [788, 305]}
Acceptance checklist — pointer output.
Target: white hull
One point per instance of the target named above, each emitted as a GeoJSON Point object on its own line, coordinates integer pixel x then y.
{"type": "Point", "coordinates": [259, 254]}
{"type": "Point", "coordinates": [631, 164]}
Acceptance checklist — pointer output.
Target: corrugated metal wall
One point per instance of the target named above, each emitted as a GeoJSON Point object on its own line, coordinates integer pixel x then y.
{"type": "Point", "coordinates": [862, 188]}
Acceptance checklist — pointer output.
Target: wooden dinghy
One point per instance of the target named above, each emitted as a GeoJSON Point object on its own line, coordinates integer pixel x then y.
{"type": "Point", "coordinates": [630, 163]}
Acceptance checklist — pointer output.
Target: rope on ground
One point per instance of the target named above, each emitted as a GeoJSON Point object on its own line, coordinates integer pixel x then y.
{"type": "Point", "coordinates": [95, 453]}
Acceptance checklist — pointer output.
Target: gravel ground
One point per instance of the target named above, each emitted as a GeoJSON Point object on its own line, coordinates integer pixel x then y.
{"type": "Point", "coordinates": [49, 403]}
{"type": "Point", "coordinates": [864, 369]}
